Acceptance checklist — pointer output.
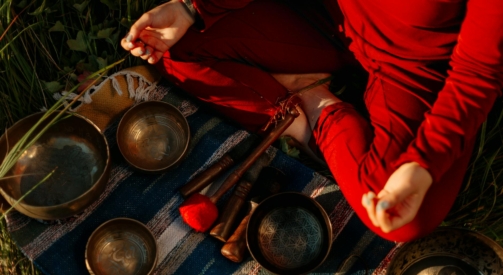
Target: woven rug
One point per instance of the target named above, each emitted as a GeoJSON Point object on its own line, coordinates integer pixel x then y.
{"type": "Point", "coordinates": [58, 247]}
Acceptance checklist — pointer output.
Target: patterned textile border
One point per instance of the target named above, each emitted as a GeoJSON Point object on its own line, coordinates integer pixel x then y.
{"type": "Point", "coordinates": [58, 248]}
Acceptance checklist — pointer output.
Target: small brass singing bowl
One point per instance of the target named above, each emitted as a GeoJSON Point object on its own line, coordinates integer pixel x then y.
{"type": "Point", "coordinates": [153, 136]}
{"type": "Point", "coordinates": [66, 169]}
{"type": "Point", "coordinates": [121, 246]}
{"type": "Point", "coordinates": [289, 233]}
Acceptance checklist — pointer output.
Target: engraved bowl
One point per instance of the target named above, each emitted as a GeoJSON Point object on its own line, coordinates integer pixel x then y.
{"type": "Point", "coordinates": [121, 246]}
{"type": "Point", "coordinates": [289, 233]}
{"type": "Point", "coordinates": [448, 251]}
{"type": "Point", "coordinates": [153, 136]}
{"type": "Point", "coordinates": [73, 149]}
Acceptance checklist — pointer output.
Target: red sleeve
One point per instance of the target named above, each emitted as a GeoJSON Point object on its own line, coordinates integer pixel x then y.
{"type": "Point", "coordinates": [472, 86]}
{"type": "Point", "coordinates": [210, 11]}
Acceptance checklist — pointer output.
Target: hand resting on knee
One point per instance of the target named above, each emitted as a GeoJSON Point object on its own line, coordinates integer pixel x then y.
{"type": "Point", "coordinates": [157, 30]}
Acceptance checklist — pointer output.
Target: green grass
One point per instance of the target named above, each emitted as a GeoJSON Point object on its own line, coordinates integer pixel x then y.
{"type": "Point", "coordinates": [46, 46]}
{"type": "Point", "coordinates": [12, 261]}
{"type": "Point", "coordinates": [479, 206]}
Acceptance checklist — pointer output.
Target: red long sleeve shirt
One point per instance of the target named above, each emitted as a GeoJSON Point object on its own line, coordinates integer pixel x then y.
{"type": "Point", "coordinates": [407, 43]}
{"type": "Point", "coordinates": [403, 41]}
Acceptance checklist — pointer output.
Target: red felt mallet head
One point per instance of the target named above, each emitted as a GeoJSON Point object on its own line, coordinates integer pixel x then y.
{"type": "Point", "coordinates": [198, 212]}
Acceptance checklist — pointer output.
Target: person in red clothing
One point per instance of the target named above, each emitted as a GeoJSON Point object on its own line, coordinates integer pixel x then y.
{"type": "Point", "coordinates": [435, 70]}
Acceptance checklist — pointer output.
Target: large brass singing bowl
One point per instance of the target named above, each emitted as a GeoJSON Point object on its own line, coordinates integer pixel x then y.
{"type": "Point", "coordinates": [448, 251]}
{"type": "Point", "coordinates": [121, 246]}
{"type": "Point", "coordinates": [76, 153]}
{"type": "Point", "coordinates": [153, 136]}
{"type": "Point", "coordinates": [289, 233]}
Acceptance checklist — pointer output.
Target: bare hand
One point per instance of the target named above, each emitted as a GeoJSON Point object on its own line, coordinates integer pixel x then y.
{"type": "Point", "coordinates": [157, 30]}
{"type": "Point", "coordinates": [398, 203]}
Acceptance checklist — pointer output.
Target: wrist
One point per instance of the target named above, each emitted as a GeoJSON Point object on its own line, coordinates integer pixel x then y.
{"type": "Point", "coordinates": [421, 174]}
{"type": "Point", "coordinates": [189, 7]}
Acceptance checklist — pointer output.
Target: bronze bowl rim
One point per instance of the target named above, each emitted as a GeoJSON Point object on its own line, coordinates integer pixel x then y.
{"type": "Point", "coordinates": [91, 189]}
{"type": "Point", "coordinates": [481, 238]}
{"type": "Point", "coordinates": [87, 252]}
{"type": "Point", "coordinates": [324, 222]}
{"type": "Point", "coordinates": [164, 104]}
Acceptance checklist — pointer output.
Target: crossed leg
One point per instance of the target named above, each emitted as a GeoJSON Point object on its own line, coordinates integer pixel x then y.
{"type": "Point", "coordinates": [361, 153]}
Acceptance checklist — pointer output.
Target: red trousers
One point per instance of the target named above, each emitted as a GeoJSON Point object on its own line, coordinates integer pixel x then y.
{"type": "Point", "coordinates": [228, 66]}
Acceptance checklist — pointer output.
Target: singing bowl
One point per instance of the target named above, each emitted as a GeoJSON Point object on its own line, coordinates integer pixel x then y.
{"type": "Point", "coordinates": [121, 246]}
{"type": "Point", "coordinates": [73, 149]}
{"type": "Point", "coordinates": [289, 233]}
{"type": "Point", "coordinates": [448, 251]}
{"type": "Point", "coordinates": [153, 136]}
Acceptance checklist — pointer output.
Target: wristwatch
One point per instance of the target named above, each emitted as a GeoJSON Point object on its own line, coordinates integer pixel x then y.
{"type": "Point", "coordinates": [190, 7]}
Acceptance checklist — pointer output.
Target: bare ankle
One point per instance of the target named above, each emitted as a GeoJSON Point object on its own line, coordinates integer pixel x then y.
{"type": "Point", "coordinates": [314, 101]}
{"type": "Point", "coordinates": [313, 91]}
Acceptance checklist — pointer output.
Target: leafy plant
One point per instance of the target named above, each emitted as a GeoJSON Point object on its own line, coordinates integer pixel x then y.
{"type": "Point", "coordinates": [48, 46]}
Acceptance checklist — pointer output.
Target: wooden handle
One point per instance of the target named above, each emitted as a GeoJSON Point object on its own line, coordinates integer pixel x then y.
{"type": "Point", "coordinates": [223, 228]}
{"type": "Point", "coordinates": [202, 180]}
{"type": "Point", "coordinates": [235, 247]}
{"type": "Point", "coordinates": [270, 181]}
{"type": "Point", "coordinates": [233, 178]}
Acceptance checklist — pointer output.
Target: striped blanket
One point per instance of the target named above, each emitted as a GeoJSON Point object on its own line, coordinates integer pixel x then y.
{"type": "Point", "coordinates": [58, 248]}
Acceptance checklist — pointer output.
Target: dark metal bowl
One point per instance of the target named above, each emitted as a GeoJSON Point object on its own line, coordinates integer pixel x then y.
{"type": "Point", "coordinates": [121, 246]}
{"type": "Point", "coordinates": [153, 136]}
{"type": "Point", "coordinates": [289, 233]}
{"type": "Point", "coordinates": [448, 251]}
{"type": "Point", "coordinates": [77, 152]}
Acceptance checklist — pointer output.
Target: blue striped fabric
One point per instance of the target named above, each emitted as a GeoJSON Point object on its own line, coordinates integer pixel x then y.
{"type": "Point", "coordinates": [154, 200]}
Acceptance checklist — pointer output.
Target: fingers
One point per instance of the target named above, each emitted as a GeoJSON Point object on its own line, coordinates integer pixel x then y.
{"type": "Point", "coordinates": [144, 52]}
{"type": "Point", "coordinates": [378, 210]}
{"type": "Point", "coordinates": [154, 57]}
{"type": "Point", "coordinates": [142, 23]}
{"type": "Point", "coordinates": [137, 48]}
{"type": "Point", "coordinates": [130, 41]}
{"type": "Point", "coordinates": [393, 212]}
{"type": "Point", "coordinates": [369, 204]}
{"type": "Point", "coordinates": [384, 216]}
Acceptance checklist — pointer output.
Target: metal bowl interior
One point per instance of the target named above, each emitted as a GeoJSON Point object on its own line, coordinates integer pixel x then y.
{"type": "Point", "coordinates": [452, 251]}
{"type": "Point", "coordinates": [289, 233]}
{"type": "Point", "coordinates": [121, 246]}
{"type": "Point", "coordinates": [153, 136]}
{"type": "Point", "coordinates": [77, 152]}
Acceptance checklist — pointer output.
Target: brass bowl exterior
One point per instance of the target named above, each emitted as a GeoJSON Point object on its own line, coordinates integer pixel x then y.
{"type": "Point", "coordinates": [153, 136]}
{"type": "Point", "coordinates": [448, 250]}
{"type": "Point", "coordinates": [121, 246]}
{"type": "Point", "coordinates": [78, 152]}
{"type": "Point", "coordinates": [289, 233]}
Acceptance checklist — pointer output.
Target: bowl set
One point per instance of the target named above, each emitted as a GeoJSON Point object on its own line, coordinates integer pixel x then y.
{"type": "Point", "coordinates": [152, 136]}
{"type": "Point", "coordinates": [288, 233]}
